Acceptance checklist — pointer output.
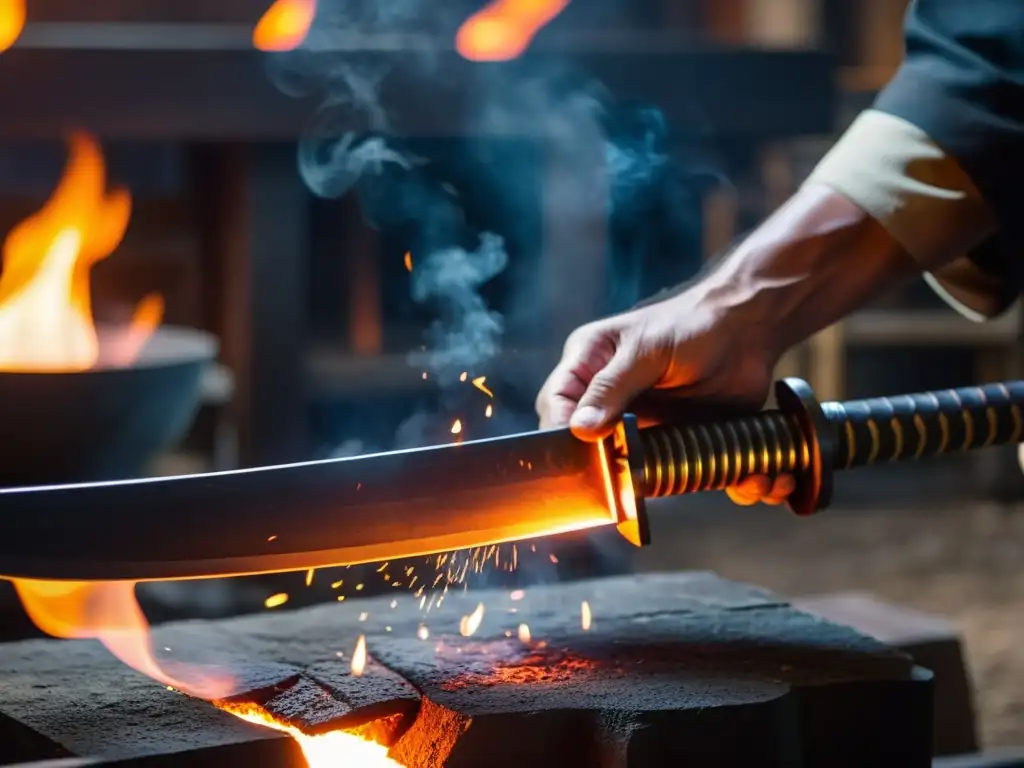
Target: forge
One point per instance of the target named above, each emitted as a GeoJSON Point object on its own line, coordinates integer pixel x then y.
{"type": "Point", "coordinates": [674, 669]}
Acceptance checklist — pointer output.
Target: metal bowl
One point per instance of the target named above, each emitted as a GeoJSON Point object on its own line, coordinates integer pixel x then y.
{"type": "Point", "coordinates": [107, 422]}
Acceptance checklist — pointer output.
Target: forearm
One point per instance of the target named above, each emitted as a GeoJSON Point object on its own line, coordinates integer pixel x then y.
{"type": "Point", "coordinates": [817, 259]}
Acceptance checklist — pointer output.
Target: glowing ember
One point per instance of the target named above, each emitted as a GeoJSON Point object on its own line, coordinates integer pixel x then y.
{"type": "Point", "coordinates": [463, 376]}
{"type": "Point", "coordinates": [408, 267]}
{"type": "Point", "coordinates": [489, 411]}
{"type": "Point", "coordinates": [46, 321]}
{"type": "Point", "coordinates": [423, 633]}
{"type": "Point", "coordinates": [457, 427]}
{"type": "Point", "coordinates": [359, 657]}
{"type": "Point", "coordinates": [470, 624]}
{"type": "Point", "coordinates": [481, 383]}
{"type": "Point", "coordinates": [585, 615]}
{"type": "Point", "coordinates": [275, 601]}
{"type": "Point", "coordinates": [524, 633]}
{"type": "Point", "coordinates": [12, 21]}
{"type": "Point", "coordinates": [336, 749]}
{"type": "Point", "coordinates": [284, 26]}
{"type": "Point", "coordinates": [504, 29]}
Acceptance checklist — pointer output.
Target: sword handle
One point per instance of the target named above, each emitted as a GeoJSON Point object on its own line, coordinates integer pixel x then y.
{"type": "Point", "coordinates": [812, 440]}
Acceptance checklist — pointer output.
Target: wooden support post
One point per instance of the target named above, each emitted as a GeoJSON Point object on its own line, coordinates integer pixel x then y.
{"type": "Point", "coordinates": [255, 212]}
{"type": "Point", "coordinates": [362, 262]}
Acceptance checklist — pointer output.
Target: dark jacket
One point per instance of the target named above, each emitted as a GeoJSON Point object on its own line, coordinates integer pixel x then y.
{"type": "Point", "coordinates": [962, 83]}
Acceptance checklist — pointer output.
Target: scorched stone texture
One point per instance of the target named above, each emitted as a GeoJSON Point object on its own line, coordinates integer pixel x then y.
{"type": "Point", "coordinates": [676, 669]}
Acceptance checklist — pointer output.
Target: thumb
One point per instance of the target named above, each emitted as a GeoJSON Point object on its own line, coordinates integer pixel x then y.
{"type": "Point", "coordinates": [609, 393]}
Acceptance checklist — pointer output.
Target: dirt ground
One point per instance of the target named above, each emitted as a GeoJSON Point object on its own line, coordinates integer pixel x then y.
{"type": "Point", "coordinates": [964, 561]}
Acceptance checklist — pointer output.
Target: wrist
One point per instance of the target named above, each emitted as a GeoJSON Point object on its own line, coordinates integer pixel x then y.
{"type": "Point", "coordinates": [817, 259]}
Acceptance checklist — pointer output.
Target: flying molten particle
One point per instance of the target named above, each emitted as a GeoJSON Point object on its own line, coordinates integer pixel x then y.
{"type": "Point", "coordinates": [284, 26]}
{"type": "Point", "coordinates": [359, 656]}
{"type": "Point", "coordinates": [12, 22]}
{"type": "Point", "coordinates": [470, 624]}
{"type": "Point", "coordinates": [504, 29]}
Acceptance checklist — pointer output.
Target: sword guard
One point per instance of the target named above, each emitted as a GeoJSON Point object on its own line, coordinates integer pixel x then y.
{"type": "Point", "coordinates": [624, 457]}
{"type": "Point", "coordinates": [813, 493]}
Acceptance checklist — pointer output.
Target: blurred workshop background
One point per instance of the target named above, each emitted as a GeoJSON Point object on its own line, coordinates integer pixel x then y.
{"type": "Point", "coordinates": [387, 245]}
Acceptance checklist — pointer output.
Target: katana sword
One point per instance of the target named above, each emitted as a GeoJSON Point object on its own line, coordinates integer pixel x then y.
{"type": "Point", "coordinates": [476, 493]}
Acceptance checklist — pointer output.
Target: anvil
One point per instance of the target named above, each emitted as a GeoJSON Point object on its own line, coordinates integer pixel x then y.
{"type": "Point", "coordinates": [476, 493]}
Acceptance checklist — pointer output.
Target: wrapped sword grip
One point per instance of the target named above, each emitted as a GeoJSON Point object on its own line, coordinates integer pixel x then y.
{"type": "Point", "coordinates": [907, 427]}
{"type": "Point", "coordinates": [811, 440]}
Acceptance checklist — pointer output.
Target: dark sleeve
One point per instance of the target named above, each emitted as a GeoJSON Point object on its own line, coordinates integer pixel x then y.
{"type": "Point", "coordinates": [962, 83]}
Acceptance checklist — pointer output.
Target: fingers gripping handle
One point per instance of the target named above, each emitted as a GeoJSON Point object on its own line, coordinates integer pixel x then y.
{"type": "Point", "coordinates": [680, 459]}
{"type": "Point", "coordinates": [811, 440]}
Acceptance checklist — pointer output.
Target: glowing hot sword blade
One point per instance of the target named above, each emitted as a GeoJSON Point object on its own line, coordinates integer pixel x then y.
{"type": "Point", "coordinates": [309, 515]}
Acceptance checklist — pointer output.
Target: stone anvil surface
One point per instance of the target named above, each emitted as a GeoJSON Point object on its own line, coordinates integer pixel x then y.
{"type": "Point", "coordinates": [676, 669]}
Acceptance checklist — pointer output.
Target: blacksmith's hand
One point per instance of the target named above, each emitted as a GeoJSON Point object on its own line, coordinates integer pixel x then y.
{"type": "Point", "coordinates": [694, 353]}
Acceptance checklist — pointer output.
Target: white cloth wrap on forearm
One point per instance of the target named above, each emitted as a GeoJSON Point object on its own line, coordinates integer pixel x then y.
{"type": "Point", "coordinates": [893, 171]}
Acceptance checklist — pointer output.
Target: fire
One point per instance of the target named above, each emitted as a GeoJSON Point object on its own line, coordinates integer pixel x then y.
{"type": "Point", "coordinates": [46, 321]}
{"type": "Point", "coordinates": [109, 612]}
{"type": "Point", "coordinates": [470, 624]}
{"type": "Point", "coordinates": [585, 615]}
{"type": "Point", "coordinates": [12, 21]}
{"type": "Point", "coordinates": [284, 26]}
{"type": "Point", "coordinates": [359, 657]}
{"type": "Point", "coordinates": [504, 29]}
{"type": "Point", "coordinates": [326, 750]}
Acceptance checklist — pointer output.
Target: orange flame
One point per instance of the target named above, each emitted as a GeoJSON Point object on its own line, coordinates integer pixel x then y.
{"type": "Point", "coordinates": [408, 261]}
{"type": "Point", "coordinates": [324, 750]}
{"type": "Point", "coordinates": [504, 29]}
{"type": "Point", "coordinates": [470, 624]}
{"type": "Point", "coordinates": [46, 321]}
{"type": "Point", "coordinates": [12, 21]}
{"type": "Point", "coordinates": [108, 612]}
{"type": "Point", "coordinates": [284, 26]}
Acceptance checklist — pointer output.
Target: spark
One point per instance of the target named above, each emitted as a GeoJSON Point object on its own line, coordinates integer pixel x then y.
{"type": "Point", "coordinates": [359, 657]}
{"type": "Point", "coordinates": [471, 623]}
{"type": "Point", "coordinates": [423, 633]}
{"type": "Point", "coordinates": [381, 569]}
{"type": "Point", "coordinates": [481, 383]}
{"type": "Point", "coordinates": [359, 587]}
{"type": "Point", "coordinates": [341, 598]}
{"type": "Point", "coordinates": [517, 594]}
{"type": "Point", "coordinates": [275, 601]}
{"type": "Point", "coordinates": [337, 583]}
{"type": "Point", "coordinates": [272, 538]}
{"type": "Point", "coordinates": [553, 559]}
{"type": "Point", "coordinates": [585, 615]}
{"type": "Point", "coordinates": [309, 576]}
{"type": "Point", "coordinates": [463, 376]}
{"type": "Point", "coordinates": [488, 411]}
{"type": "Point", "coordinates": [364, 616]}
{"type": "Point", "coordinates": [457, 427]}
{"type": "Point", "coordinates": [394, 603]}
{"type": "Point", "coordinates": [524, 633]}
{"type": "Point", "coordinates": [408, 261]}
